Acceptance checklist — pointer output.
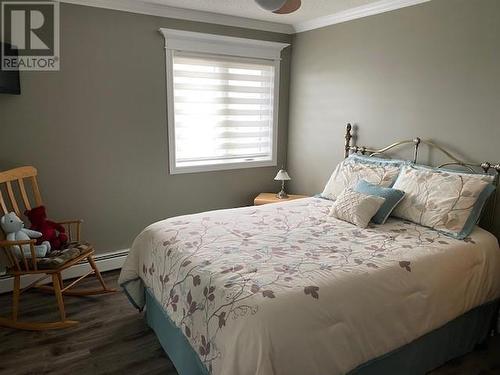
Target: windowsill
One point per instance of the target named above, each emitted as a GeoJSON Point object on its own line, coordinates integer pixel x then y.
{"type": "Point", "coordinates": [222, 166]}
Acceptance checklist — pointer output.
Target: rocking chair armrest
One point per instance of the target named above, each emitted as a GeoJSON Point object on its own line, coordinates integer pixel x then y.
{"type": "Point", "coordinates": [16, 256]}
{"type": "Point", "coordinates": [6, 243]}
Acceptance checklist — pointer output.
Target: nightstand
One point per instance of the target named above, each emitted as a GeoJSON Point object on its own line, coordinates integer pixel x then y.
{"type": "Point", "coordinates": [265, 198]}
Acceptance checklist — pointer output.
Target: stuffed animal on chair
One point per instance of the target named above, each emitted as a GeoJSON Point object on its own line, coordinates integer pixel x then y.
{"type": "Point", "coordinates": [51, 231]}
{"type": "Point", "coordinates": [14, 230]}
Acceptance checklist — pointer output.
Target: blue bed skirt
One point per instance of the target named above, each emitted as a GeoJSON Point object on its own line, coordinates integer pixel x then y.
{"type": "Point", "coordinates": [452, 340]}
{"type": "Point", "coordinates": [172, 339]}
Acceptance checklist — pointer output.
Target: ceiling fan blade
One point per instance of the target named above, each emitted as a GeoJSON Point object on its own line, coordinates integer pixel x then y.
{"type": "Point", "coordinates": [271, 5]}
{"type": "Point", "coordinates": [290, 6]}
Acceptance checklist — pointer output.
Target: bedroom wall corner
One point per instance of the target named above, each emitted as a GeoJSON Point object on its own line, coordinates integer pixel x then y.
{"type": "Point", "coordinates": [430, 70]}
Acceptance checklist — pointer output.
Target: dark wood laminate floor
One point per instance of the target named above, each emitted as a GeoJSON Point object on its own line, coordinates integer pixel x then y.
{"type": "Point", "coordinates": [113, 338]}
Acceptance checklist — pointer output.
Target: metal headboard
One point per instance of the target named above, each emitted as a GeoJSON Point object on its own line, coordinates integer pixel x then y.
{"type": "Point", "coordinates": [484, 167]}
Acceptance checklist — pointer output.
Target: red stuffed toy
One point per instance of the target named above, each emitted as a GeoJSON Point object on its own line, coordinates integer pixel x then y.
{"type": "Point", "coordinates": [51, 231]}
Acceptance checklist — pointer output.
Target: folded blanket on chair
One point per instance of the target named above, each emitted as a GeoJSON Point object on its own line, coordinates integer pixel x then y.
{"type": "Point", "coordinates": [57, 258]}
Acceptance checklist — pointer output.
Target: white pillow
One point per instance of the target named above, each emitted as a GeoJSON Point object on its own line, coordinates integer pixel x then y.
{"type": "Point", "coordinates": [448, 201]}
{"type": "Point", "coordinates": [350, 171]}
{"type": "Point", "coordinates": [356, 208]}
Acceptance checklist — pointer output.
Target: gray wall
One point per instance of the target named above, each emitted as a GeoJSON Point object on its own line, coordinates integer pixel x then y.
{"type": "Point", "coordinates": [97, 130]}
{"type": "Point", "coordinates": [431, 70]}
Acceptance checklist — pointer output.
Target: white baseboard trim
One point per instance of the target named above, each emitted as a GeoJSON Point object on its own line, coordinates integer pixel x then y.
{"type": "Point", "coordinates": [106, 262]}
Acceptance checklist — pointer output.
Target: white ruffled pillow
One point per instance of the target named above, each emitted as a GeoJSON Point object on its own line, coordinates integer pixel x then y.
{"type": "Point", "coordinates": [356, 208]}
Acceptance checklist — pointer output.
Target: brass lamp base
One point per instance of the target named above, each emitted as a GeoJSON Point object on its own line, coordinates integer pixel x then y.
{"type": "Point", "coordinates": [282, 195]}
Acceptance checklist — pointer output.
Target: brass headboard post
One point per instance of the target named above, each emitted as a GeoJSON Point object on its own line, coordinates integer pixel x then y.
{"type": "Point", "coordinates": [416, 141]}
{"type": "Point", "coordinates": [486, 166]}
{"type": "Point", "coordinates": [348, 137]}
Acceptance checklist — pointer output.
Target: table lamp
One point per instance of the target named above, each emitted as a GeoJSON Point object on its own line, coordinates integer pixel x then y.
{"type": "Point", "coordinates": [282, 176]}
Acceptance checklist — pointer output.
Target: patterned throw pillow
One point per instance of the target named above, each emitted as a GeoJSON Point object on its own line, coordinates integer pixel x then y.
{"type": "Point", "coordinates": [356, 208]}
{"type": "Point", "coordinates": [450, 202]}
{"type": "Point", "coordinates": [377, 171]}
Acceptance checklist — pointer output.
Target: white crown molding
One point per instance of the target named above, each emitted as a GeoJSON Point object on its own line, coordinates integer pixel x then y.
{"type": "Point", "coordinates": [371, 9]}
{"type": "Point", "coordinates": [159, 10]}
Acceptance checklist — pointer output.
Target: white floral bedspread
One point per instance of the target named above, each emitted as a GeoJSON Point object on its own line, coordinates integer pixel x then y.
{"type": "Point", "coordinates": [285, 289]}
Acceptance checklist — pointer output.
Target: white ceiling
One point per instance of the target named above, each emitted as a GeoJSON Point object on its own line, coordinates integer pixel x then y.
{"type": "Point", "coordinates": [312, 14]}
{"type": "Point", "coordinates": [309, 10]}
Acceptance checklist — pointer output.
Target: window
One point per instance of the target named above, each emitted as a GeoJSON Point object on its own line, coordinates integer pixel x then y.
{"type": "Point", "coordinates": [222, 101]}
{"type": "Point", "coordinates": [223, 110]}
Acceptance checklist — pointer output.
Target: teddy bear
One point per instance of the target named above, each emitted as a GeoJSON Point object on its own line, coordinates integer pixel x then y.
{"type": "Point", "coordinates": [14, 230]}
{"type": "Point", "coordinates": [51, 231]}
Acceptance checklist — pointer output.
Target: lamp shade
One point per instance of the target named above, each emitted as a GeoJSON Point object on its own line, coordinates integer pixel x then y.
{"type": "Point", "coordinates": [282, 176]}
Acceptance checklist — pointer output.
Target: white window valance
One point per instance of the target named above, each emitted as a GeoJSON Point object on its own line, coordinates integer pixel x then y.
{"type": "Point", "coordinates": [221, 45]}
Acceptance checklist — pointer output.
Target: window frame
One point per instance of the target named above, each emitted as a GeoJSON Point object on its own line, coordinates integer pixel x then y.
{"type": "Point", "coordinates": [214, 44]}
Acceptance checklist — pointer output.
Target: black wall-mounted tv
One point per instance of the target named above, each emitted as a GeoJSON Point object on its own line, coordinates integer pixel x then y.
{"type": "Point", "coordinates": [9, 79]}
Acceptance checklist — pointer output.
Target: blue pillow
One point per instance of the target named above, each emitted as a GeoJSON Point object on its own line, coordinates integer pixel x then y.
{"type": "Point", "coordinates": [392, 199]}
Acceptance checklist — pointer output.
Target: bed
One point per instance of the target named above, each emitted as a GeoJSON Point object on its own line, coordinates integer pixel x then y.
{"type": "Point", "coordinates": [286, 289]}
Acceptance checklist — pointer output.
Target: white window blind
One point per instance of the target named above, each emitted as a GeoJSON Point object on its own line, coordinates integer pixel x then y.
{"type": "Point", "coordinates": [223, 109]}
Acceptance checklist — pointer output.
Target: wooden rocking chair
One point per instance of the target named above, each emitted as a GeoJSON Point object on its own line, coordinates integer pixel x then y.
{"type": "Point", "coordinates": [20, 265]}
